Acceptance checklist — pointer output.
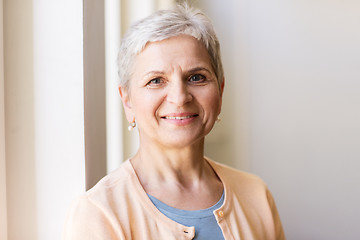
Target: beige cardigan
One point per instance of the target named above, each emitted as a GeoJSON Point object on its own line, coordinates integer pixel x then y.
{"type": "Point", "coordinates": [119, 208]}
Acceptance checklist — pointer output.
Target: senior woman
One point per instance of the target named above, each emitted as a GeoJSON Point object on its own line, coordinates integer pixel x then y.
{"type": "Point", "coordinates": [171, 88]}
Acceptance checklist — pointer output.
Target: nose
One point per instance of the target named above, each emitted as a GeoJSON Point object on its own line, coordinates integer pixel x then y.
{"type": "Point", "coordinates": [178, 93]}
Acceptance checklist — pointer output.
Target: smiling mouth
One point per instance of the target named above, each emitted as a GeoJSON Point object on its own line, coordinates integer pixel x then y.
{"type": "Point", "coordinates": [180, 118]}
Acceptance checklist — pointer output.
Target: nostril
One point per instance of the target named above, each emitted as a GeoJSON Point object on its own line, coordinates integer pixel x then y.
{"type": "Point", "coordinates": [179, 96]}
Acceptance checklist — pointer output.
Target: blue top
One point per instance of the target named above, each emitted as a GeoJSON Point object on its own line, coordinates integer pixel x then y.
{"type": "Point", "coordinates": [203, 220]}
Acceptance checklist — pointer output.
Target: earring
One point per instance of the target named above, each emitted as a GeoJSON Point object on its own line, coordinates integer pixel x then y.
{"type": "Point", "coordinates": [218, 119]}
{"type": "Point", "coordinates": [132, 125]}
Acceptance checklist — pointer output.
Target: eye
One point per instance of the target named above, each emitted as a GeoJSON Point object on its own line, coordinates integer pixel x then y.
{"type": "Point", "coordinates": [197, 78]}
{"type": "Point", "coordinates": [155, 82]}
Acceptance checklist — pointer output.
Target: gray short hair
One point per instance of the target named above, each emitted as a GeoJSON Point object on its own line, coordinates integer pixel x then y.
{"type": "Point", "coordinates": [165, 24]}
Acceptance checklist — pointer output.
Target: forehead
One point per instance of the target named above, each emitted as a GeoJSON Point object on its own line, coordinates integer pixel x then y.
{"type": "Point", "coordinates": [181, 51]}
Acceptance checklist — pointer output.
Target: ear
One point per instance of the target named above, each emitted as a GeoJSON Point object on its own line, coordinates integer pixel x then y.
{"type": "Point", "coordinates": [222, 87]}
{"type": "Point", "coordinates": [126, 101]}
{"type": "Point", "coordinates": [221, 94]}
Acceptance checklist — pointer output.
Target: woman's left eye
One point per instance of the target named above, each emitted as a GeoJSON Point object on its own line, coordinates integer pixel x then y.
{"type": "Point", "coordinates": [197, 78]}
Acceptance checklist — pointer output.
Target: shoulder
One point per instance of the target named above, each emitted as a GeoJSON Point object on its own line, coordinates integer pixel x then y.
{"type": "Point", "coordinates": [100, 204]}
{"type": "Point", "coordinates": [116, 181]}
{"type": "Point", "coordinates": [106, 194]}
{"type": "Point", "coordinates": [247, 196]}
{"type": "Point", "coordinates": [87, 219]}
{"type": "Point", "coordinates": [239, 182]}
{"type": "Point", "coordinates": [229, 173]}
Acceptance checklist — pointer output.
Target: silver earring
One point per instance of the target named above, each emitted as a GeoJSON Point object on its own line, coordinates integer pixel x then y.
{"type": "Point", "coordinates": [218, 119]}
{"type": "Point", "coordinates": [132, 126]}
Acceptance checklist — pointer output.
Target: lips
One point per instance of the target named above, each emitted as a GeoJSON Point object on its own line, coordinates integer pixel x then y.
{"type": "Point", "coordinates": [180, 119]}
{"type": "Point", "coordinates": [179, 116]}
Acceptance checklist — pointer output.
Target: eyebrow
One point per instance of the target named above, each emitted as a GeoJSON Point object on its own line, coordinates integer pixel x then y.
{"type": "Point", "coordinates": [153, 73]}
{"type": "Point", "coordinates": [192, 70]}
{"type": "Point", "coordinates": [198, 69]}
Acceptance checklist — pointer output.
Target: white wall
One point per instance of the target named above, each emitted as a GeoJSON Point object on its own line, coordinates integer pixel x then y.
{"type": "Point", "coordinates": [58, 111]}
{"type": "Point", "coordinates": [299, 62]}
{"type": "Point", "coordinates": [44, 114]}
{"type": "Point", "coordinates": [19, 120]}
{"type": "Point", "coordinates": [3, 204]}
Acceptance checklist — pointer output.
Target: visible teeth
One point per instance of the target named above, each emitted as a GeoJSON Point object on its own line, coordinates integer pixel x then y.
{"type": "Point", "coordinates": [178, 118]}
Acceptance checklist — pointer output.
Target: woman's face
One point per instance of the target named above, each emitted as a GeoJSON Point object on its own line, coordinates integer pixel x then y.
{"type": "Point", "coordinates": [174, 95]}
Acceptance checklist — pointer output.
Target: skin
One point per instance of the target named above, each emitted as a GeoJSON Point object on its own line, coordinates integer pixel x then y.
{"type": "Point", "coordinates": [175, 98]}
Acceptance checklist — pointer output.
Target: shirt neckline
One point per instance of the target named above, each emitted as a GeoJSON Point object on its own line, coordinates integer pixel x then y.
{"type": "Point", "coordinates": [146, 202]}
{"type": "Point", "coordinates": [201, 213]}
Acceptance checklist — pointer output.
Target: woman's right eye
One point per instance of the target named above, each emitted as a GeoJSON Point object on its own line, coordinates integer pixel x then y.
{"type": "Point", "coordinates": [155, 81]}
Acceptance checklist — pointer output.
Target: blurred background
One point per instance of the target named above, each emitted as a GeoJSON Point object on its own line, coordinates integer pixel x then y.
{"type": "Point", "coordinates": [291, 110]}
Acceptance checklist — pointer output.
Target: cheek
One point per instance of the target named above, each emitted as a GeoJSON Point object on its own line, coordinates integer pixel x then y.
{"type": "Point", "coordinates": [212, 102]}
{"type": "Point", "coordinates": [146, 104]}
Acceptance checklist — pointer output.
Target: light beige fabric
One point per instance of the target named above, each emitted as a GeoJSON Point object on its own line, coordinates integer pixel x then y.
{"type": "Point", "coordinates": [119, 208]}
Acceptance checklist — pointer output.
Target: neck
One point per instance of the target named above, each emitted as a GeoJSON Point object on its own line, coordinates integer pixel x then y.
{"type": "Point", "coordinates": [181, 166]}
{"type": "Point", "coordinates": [177, 176]}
